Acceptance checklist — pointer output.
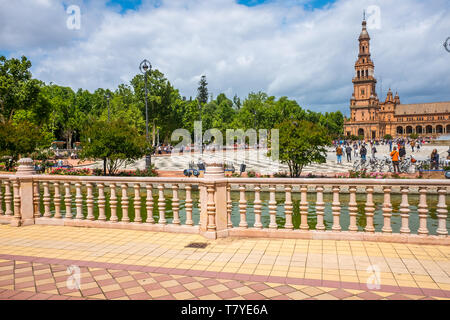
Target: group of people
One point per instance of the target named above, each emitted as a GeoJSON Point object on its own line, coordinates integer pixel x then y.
{"type": "Point", "coordinates": [358, 149]}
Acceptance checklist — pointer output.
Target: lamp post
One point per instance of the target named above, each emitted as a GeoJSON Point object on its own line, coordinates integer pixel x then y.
{"type": "Point", "coordinates": [144, 67]}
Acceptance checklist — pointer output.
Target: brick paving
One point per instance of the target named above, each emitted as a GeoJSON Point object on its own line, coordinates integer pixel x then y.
{"type": "Point", "coordinates": [139, 265]}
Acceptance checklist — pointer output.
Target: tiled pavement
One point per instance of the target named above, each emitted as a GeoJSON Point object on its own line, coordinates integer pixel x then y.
{"type": "Point", "coordinates": [125, 264]}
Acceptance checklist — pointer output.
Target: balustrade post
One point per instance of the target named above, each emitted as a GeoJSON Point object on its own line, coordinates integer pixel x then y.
{"type": "Point", "coordinates": [320, 209]}
{"type": "Point", "coordinates": [149, 204]}
{"type": "Point", "coordinates": [175, 205]}
{"type": "Point", "coordinates": [101, 202]}
{"type": "Point", "coordinates": [57, 201]}
{"type": "Point", "coordinates": [272, 208]}
{"type": "Point", "coordinates": [257, 206]}
{"type": "Point", "coordinates": [229, 207]}
{"type": "Point", "coordinates": [124, 203]}
{"type": "Point", "coordinates": [242, 207]}
{"type": "Point", "coordinates": [336, 207]}
{"type": "Point", "coordinates": [137, 203]}
{"type": "Point", "coordinates": [16, 221]}
{"type": "Point", "coordinates": [78, 201]}
{"type": "Point", "coordinates": [442, 212]}
{"type": "Point", "coordinates": [304, 208]}
{"type": "Point", "coordinates": [1, 200]}
{"type": "Point", "coordinates": [370, 210]}
{"type": "Point", "coordinates": [288, 208]}
{"type": "Point", "coordinates": [25, 191]}
{"type": "Point", "coordinates": [423, 211]}
{"type": "Point", "coordinates": [404, 211]}
{"type": "Point", "coordinates": [188, 205]}
{"type": "Point", "coordinates": [162, 205]}
{"type": "Point", "coordinates": [387, 210]}
{"type": "Point", "coordinates": [113, 202]}
{"type": "Point", "coordinates": [46, 199]}
{"type": "Point", "coordinates": [90, 202]}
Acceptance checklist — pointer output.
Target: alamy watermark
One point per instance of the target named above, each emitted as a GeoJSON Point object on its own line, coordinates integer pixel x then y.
{"type": "Point", "coordinates": [447, 44]}
{"type": "Point", "coordinates": [74, 280]}
{"type": "Point", "coordinates": [73, 22]}
{"type": "Point", "coordinates": [374, 280]}
{"type": "Point", "coordinates": [374, 17]}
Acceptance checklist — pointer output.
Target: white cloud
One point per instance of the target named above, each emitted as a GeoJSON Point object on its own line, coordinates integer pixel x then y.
{"type": "Point", "coordinates": [278, 47]}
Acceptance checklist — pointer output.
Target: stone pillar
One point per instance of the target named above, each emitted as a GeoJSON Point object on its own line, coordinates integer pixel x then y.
{"type": "Point", "coordinates": [213, 202]}
{"type": "Point", "coordinates": [26, 190]}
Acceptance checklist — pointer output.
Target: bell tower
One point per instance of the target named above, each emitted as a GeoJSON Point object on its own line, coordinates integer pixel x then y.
{"type": "Point", "coordinates": [364, 103]}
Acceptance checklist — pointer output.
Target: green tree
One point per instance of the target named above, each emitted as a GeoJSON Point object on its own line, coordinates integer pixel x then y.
{"type": "Point", "coordinates": [387, 137]}
{"type": "Point", "coordinates": [115, 142]}
{"type": "Point", "coordinates": [302, 143]}
{"type": "Point", "coordinates": [20, 139]}
{"type": "Point", "coordinates": [202, 91]}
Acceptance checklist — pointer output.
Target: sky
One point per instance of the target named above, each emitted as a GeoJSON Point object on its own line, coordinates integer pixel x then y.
{"type": "Point", "coordinates": [302, 49]}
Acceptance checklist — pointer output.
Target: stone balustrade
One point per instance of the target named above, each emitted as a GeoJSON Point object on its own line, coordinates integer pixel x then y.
{"type": "Point", "coordinates": [169, 204]}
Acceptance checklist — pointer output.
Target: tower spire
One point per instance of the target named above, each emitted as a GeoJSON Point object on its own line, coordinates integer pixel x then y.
{"type": "Point", "coordinates": [364, 15]}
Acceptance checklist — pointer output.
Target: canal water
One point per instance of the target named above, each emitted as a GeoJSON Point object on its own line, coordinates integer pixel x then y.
{"type": "Point", "coordinates": [432, 201]}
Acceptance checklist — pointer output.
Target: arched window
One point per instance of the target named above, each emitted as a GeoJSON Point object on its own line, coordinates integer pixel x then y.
{"type": "Point", "coordinates": [361, 132]}
{"type": "Point", "coordinates": [399, 130]}
{"type": "Point", "coordinates": [429, 129]}
{"type": "Point", "coordinates": [419, 130]}
{"type": "Point", "coordinates": [439, 129]}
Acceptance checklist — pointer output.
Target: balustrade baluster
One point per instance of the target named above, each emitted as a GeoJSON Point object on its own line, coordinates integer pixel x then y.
{"type": "Point", "coordinates": [8, 198]}
{"type": "Point", "coordinates": [387, 210]}
{"type": "Point", "coordinates": [16, 187]}
{"type": "Point", "coordinates": [370, 210]}
{"type": "Point", "coordinates": [124, 203]}
{"type": "Point", "coordinates": [188, 205]}
{"type": "Point", "coordinates": [304, 208]}
{"type": "Point", "coordinates": [272, 208]}
{"type": "Point", "coordinates": [336, 207]}
{"type": "Point", "coordinates": [57, 201]}
{"type": "Point", "coordinates": [320, 209]}
{"type": "Point", "coordinates": [101, 202]}
{"type": "Point", "coordinates": [36, 198]}
{"type": "Point", "coordinates": [78, 201]}
{"type": "Point", "coordinates": [137, 203]}
{"type": "Point", "coordinates": [149, 204]}
{"type": "Point", "coordinates": [175, 205]}
{"type": "Point", "coordinates": [352, 209]}
{"type": "Point", "coordinates": [442, 212]}
{"type": "Point", "coordinates": [288, 208]}
{"type": "Point", "coordinates": [242, 207]}
{"type": "Point", "coordinates": [161, 205]}
{"type": "Point", "coordinates": [113, 202]}
{"type": "Point", "coordinates": [90, 202]}
{"type": "Point", "coordinates": [229, 207]}
{"type": "Point", "coordinates": [423, 211]}
{"type": "Point", "coordinates": [1, 199]}
{"type": "Point", "coordinates": [68, 201]}
{"type": "Point", "coordinates": [404, 211]}
{"type": "Point", "coordinates": [46, 200]}
{"type": "Point", "coordinates": [211, 209]}
{"type": "Point", "coordinates": [257, 207]}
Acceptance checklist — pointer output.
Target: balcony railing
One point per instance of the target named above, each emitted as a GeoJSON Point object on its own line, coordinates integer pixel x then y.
{"type": "Point", "coordinates": [262, 207]}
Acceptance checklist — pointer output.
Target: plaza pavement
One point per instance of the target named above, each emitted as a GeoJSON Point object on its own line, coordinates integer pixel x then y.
{"type": "Point", "coordinates": [262, 164]}
{"type": "Point", "coordinates": [127, 264]}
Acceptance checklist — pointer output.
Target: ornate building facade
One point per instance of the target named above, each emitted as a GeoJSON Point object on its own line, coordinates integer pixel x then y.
{"type": "Point", "coordinates": [374, 119]}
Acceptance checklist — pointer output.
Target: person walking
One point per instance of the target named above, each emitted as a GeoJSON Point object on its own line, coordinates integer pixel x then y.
{"type": "Point", "coordinates": [402, 152]}
{"type": "Point", "coordinates": [339, 153]}
{"type": "Point", "coordinates": [434, 160]}
{"type": "Point", "coordinates": [395, 156]}
{"type": "Point", "coordinates": [413, 144]}
{"type": "Point", "coordinates": [355, 149]}
{"type": "Point", "coordinates": [348, 151]}
{"type": "Point", "coordinates": [390, 145]}
{"type": "Point", "coordinates": [363, 152]}
{"type": "Point", "coordinates": [374, 150]}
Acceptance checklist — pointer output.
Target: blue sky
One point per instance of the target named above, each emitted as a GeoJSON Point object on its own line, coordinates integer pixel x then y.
{"type": "Point", "coordinates": [305, 50]}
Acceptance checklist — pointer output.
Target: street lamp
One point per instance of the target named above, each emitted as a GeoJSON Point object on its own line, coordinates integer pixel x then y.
{"type": "Point", "coordinates": [144, 67]}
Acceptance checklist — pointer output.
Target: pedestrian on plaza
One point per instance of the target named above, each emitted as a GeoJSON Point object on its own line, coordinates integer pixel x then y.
{"type": "Point", "coordinates": [390, 145]}
{"type": "Point", "coordinates": [348, 151]}
{"type": "Point", "coordinates": [434, 160]}
{"type": "Point", "coordinates": [402, 152]}
{"type": "Point", "coordinates": [339, 153]}
{"type": "Point", "coordinates": [374, 150]}
{"type": "Point", "coordinates": [355, 149]}
{"type": "Point", "coordinates": [394, 156]}
{"type": "Point", "coordinates": [363, 152]}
